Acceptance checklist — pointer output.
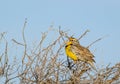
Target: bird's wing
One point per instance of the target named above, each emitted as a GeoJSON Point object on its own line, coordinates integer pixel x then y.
{"type": "Point", "coordinates": [83, 53]}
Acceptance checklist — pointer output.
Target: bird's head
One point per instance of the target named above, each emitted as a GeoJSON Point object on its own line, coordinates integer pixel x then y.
{"type": "Point", "coordinates": [73, 40]}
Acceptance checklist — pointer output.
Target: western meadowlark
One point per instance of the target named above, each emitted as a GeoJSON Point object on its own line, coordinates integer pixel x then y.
{"type": "Point", "coordinates": [79, 53]}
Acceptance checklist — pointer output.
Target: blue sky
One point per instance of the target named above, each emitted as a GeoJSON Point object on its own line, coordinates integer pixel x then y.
{"type": "Point", "coordinates": [100, 17]}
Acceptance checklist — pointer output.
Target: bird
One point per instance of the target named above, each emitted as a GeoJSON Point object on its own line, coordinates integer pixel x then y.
{"type": "Point", "coordinates": [77, 52]}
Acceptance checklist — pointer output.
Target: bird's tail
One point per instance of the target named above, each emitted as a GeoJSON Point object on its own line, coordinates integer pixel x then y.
{"type": "Point", "coordinates": [92, 65]}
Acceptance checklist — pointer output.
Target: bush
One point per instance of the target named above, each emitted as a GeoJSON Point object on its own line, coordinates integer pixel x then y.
{"type": "Point", "coordinates": [49, 65]}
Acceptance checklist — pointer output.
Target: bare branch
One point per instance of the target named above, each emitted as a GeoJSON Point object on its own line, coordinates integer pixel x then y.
{"type": "Point", "coordinates": [2, 35]}
{"type": "Point", "coordinates": [95, 41]}
{"type": "Point", "coordinates": [83, 34]}
{"type": "Point", "coordinates": [25, 45]}
{"type": "Point", "coordinates": [23, 34]}
{"type": "Point", "coordinates": [17, 42]}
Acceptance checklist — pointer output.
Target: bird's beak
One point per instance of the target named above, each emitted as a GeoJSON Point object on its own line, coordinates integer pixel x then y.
{"type": "Point", "coordinates": [68, 43]}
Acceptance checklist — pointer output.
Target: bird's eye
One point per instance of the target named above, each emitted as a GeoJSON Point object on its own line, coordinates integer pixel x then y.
{"type": "Point", "coordinates": [73, 39]}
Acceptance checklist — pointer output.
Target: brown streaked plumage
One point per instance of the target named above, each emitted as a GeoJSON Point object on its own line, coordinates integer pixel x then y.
{"type": "Point", "coordinates": [81, 53]}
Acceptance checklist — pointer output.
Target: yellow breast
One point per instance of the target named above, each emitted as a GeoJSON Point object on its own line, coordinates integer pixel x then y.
{"type": "Point", "coordinates": [69, 53]}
